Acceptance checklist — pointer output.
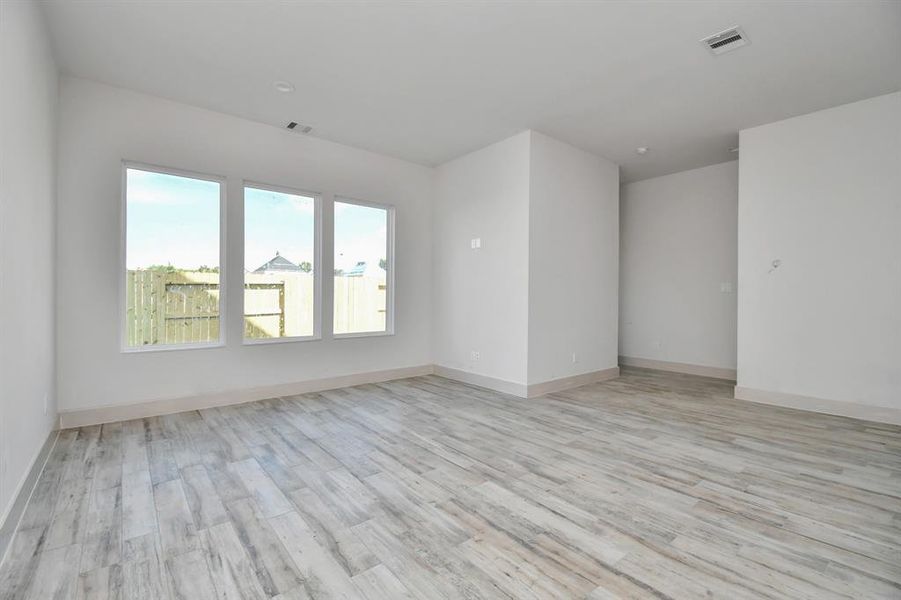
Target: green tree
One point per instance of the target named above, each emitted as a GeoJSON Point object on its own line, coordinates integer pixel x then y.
{"type": "Point", "coordinates": [163, 268]}
{"type": "Point", "coordinates": [306, 267]}
{"type": "Point", "coordinates": [383, 264]}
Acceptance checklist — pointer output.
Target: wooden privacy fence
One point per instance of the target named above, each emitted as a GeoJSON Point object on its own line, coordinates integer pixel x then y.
{"type": "Point", "coordinates": [278, 305]}
{"type": "Point", "coordinates": [171, 307]}
{"type": "Point", "coordinates": [359, 304]}
{"type": "Point", "coordinates": [177, 307]}
{"type": "Point", "coordinates": [276, 313]}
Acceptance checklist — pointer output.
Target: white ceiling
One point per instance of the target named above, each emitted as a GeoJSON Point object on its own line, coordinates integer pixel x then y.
{"type": "Point", "coordinates": [430, 81]}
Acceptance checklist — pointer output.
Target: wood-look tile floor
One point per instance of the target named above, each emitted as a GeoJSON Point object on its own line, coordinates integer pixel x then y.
{"type": "Point", "coordinates": [650, 485]}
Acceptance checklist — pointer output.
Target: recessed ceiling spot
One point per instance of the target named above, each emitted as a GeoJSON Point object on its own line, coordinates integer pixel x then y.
{"type": "Point", "coordinates": [285, 87]}
{"type": "Point", "coordinates": [726, 40]}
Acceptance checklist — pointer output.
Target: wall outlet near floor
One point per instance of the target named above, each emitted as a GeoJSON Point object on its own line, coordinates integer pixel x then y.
{"type": "Point", "coordinates": [656, 344]}
{"type": "Point", "coordinates": [726, 287]}
{"type": "Point", "coordinates": [475, 243]}
{"type": "Point", "coordinates": [474, 355]}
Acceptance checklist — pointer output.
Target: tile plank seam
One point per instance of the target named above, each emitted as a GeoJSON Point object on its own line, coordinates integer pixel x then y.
{"type": "Point", "coordinates": [649, 485]}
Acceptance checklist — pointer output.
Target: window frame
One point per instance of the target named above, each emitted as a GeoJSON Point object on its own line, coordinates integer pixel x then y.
{"type": "Point", "coordinates": [389, 272]}
{"type": "Point", "coordinates": [317, 261]}
{"type": "Point", "coordinates": [124, 348]}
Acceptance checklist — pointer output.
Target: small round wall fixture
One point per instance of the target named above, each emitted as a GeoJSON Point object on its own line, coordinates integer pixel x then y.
{"type": "Point", "coordinates": [285, 87]}
{"type": "Point", "coordinates": [641, 150]}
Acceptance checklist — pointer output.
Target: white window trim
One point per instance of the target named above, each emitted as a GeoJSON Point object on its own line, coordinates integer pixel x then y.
{"type": "Point", "coordinates": [317, 262]}
{"type": "Point", "coordinates": [389, 274]}
{"type": "Point", "coordinates": [123, 247]}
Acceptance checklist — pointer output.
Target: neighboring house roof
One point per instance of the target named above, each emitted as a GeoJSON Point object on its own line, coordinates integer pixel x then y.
{"type": "Point", "coordinates": [356, 271]}
{"type": "Point", "coordinates": [364, 269]}
{"type": "Point", "coordinates": [278, 263]}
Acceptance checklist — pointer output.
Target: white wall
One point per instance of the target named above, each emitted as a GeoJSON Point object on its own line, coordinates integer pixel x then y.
{"type": "Point", "coordinates": [573, 260]}
{"type": "Point", "coordinates": [28, 99]}
{"type": "Point", "coordinates": [480, 299]}
{"type": "Point", "coordinates": [543, 285]}
{"type": "Point", "coordinates": [99, 127]}
{"type": "Point", "coordinates": [679, 242]}
{"type": "Point", "coordinates": [822, 193]}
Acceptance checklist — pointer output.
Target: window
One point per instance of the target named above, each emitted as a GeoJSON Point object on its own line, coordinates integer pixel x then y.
{"type": "Point", "coordinates": [173, 257]}
{"type": "Point", "coordinates": [363, 269]}
{"type": "Point", "coordinates": [281, 260]}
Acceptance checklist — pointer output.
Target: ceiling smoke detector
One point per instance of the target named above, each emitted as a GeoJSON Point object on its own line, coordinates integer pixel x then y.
{"type": "Point", "coordinates": [641, 150]}
{"type": "Point", "coordinates": [293, 126]}
{"type": "Point", "coordinates": [726, 41]}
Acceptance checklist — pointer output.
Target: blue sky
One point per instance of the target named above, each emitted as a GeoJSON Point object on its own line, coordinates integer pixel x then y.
{"type": "Point", "coordinates": [277, 222]}
{"type": "Point", "coordinates": [171, 220]}
{"type": "Point", "coordinates": [360, 234]}
{"type": "Point", "coordinates": [175, 220]}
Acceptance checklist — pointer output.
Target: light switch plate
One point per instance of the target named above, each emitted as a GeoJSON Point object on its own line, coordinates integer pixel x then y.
{"type": "Point", "coordinates": [476, 243]}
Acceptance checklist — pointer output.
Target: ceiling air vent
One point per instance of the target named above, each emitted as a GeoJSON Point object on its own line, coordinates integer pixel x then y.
{"type": "Point", "coordinates": [726, 41]}
{"type": "Point", "coordinates": [293, 126]}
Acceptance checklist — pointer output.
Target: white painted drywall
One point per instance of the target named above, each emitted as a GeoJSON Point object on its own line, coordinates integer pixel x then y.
{"type": "Point", "coordinates": [573, 260]}
{"type": "Point", "coordinates": [480, 296]}
{"type": "Point", "coordinates": [679, 241]}
{"type": "Point", "coordinates": [28, 108]}
{"type": "Point", "coordinates": [99, 127]}
{"type": "Point", "coordinates": [822, 194]}
{"type": "Point", "coordinates": [543, 285]}
{"type": "Point", "coordinates": [431, 80]}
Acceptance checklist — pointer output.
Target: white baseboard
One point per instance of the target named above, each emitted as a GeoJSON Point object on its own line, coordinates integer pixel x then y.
{"type": "Point", "coordinates": [678, 367]}
{"type": "Point", "coordinates": [574, 381]}
{"type": "Point", "coordinates": [165, 406]}
{"type": "Point", "coordinates": [521, 389]}
{"type": "Point", "coordinates": [485, 381]}
{"type": "Point", "coordinates": [866, 412]}
{"type": "Point", "coordinates": [16, 508]}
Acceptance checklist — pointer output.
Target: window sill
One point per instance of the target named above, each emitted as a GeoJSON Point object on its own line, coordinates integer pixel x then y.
{"type": "Point", "coordinates": [170, 347]}
{"type": "Point", "coordinates": [282, 340]}
{"type": "Point", "coordinates": [362, 334]}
